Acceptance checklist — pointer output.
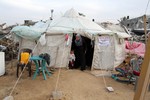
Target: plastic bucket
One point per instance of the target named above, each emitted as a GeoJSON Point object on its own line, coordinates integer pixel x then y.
{"type": "Point", "coordinates": [2, 63]}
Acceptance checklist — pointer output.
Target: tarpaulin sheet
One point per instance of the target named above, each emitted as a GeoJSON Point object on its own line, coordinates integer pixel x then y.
{"type": "Point", "coordinates": [135, 48]}
{"type": "Point", "coordinates": [26, 32]}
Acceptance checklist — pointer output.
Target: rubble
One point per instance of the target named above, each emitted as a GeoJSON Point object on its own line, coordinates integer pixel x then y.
{"type": "Point", "coordinates": [6, 42]}
{"type": "Point", "coordinates": [136, 27]}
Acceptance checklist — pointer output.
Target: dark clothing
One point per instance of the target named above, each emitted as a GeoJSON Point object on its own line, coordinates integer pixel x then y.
{"type": "Point", "coordinates": [80, 57]}
{"type": "Point", "coordinates": [79, 52]}
{"type": "Point", "coordinates": [71, 64]}
{"type": "Point", "coordinates": [46, 57]}
{"type": "Point", "coordinates": [89, 52]}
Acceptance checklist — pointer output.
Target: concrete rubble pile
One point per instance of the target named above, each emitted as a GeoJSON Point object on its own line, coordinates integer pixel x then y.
{"type": "Point", "coordinates": [136, 27]}
{"type": "Point", "coordinates": [6, 42]}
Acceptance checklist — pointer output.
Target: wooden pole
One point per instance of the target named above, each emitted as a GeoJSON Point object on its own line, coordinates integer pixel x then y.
{"type": "Point", "coordinates": [145, 27]}
{"type": "Point", "coordinates": [11, 59]}
{"type": "Point", "coordinates": [143, 81]}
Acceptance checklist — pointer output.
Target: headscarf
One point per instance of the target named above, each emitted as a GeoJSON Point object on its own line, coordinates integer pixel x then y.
{"type": "Point", "coordinates": [78, 42]}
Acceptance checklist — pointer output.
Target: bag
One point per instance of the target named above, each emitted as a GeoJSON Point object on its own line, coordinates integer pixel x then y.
{"type": "Point", "coordinates": [42, 40]}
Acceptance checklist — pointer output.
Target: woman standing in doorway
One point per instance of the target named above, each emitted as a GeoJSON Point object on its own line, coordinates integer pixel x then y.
{"type": "Point", "coordinates": [79, 47]}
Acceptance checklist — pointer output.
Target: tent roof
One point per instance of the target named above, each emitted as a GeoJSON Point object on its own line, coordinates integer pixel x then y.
{"type": "Point", "coordinates": [70, 22]}
{"type": "Point", "coordinates": [116, 28]}
{"type": "Point", "coordinates": [71, 13]}
{"type": "Point", "coordinates": [75, 23]}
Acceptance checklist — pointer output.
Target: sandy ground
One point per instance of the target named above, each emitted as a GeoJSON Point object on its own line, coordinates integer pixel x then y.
{"type": "Point", "coordinates": [75, 85]}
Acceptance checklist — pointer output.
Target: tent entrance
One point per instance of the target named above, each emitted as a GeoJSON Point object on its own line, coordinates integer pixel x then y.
{"type": "Point", "coordinates": [89, 52]}
{"type": "Point", "coordinates": [84, 54]}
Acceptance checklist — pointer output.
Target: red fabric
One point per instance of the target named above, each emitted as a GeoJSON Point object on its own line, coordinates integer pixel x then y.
{"type": "Point", "coordinates": [66, 37]}
{"type": "Point", "coordinates": [136, 73]}
{"type": "Point", "coordinates": [135, 48]}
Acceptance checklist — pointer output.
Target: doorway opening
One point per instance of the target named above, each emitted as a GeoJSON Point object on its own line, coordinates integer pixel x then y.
{"type": "Point", "coordinates": [83, 53]}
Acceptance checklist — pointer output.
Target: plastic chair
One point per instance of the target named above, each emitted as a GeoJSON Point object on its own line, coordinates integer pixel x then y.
{"type": "Point", "coordinates": [23, 64]}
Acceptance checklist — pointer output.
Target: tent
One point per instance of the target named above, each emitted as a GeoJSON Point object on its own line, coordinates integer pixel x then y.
{"type": "Point", "coordinates": [71, 21]}
{"type": "Point", "coordinates": [59, 48]}
{"type": "Point", "coordinates": [119, 36]}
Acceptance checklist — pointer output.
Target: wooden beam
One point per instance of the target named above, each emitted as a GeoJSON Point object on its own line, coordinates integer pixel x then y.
{"type": "Point", "coordinates": [145, 28]}
{"type": "Point", "coordinates": [143, 81]}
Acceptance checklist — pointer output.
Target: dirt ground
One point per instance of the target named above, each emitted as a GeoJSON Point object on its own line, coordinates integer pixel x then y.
{"type": "Point", "coordinates": [75, 85]}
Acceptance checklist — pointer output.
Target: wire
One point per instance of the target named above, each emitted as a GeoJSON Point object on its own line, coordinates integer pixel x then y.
{"type": "Point", "coordinates": [147, 6]}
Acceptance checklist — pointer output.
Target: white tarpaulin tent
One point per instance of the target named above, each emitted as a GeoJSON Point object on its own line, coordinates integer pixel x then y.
{"type": "Point", "coordinates": [59, 48]}
{"type": "Point", "coordinates": [73, 22]}
{"type": "Point", "coordinates": [120, 35]}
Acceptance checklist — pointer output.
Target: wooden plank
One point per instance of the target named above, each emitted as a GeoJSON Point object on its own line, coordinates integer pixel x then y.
{"type": "Point", "coordinates": [145, 28]}
{"type": "Point", "coordinates": [143, 81]}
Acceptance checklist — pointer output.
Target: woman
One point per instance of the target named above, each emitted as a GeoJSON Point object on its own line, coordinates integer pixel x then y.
{"type": "Point", "coordinates": [79, 48]}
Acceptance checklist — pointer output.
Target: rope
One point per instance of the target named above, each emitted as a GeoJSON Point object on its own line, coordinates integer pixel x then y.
{"type": "Point", "coordinates": [56, 86]}
{"type": "Point", "coordinates": [104, 80]}
{"type": "Point", "coordinates": [21, 73]}
{"type": "Point", "coordinates": [58, 77]}
{"type": "Point", "coordinates": [24, 67]}
{"type": "Point", "coordinates": [47, 28]}
{"type": "Point", "coordinates": [103, 75]}
{"type": "Point", "coordinates": [147, 6]}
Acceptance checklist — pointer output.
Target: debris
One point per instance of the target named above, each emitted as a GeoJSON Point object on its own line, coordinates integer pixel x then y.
{"type": "Point", "coordinates": [57, 95]}
{"type": "Point", "coordinates": [110, 89]}
{"type": "Point", "coordinates": [9, 98]}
